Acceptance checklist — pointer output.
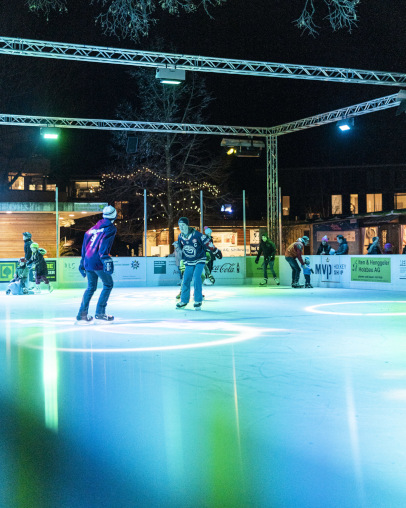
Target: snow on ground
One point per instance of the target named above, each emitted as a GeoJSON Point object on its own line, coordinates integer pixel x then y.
{"type": "Point", "coordinates": [271, 397]}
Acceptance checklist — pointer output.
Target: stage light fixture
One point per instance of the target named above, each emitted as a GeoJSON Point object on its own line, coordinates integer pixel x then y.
{"type": "Point", "coordinates": [170, 76]}
{"type": "Point", "coordinates": [345, 124]}
{"type": "Point", "coordinates": [243, 147]}
{"type": "Point", "coordinates": [50, 132]}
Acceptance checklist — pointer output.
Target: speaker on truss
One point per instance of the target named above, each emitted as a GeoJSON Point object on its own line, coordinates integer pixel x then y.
{"type": "Point", "coordinates": [132, 144]}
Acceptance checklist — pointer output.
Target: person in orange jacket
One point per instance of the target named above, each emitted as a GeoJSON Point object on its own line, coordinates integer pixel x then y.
{"type": "Point", "coordinates": [293, 254]}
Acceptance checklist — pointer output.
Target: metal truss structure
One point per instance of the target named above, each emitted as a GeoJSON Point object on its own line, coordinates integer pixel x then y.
{"type": "Point", "coordinates": [272, 215]}
{"type": "Point", "coordinates": [100, 54]}
{"type": "Point", "coordinates": [128, 125]}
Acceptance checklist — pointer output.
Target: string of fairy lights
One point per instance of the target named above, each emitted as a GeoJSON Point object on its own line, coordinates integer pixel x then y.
{"type": "Point", "coordinates": [177, 206]}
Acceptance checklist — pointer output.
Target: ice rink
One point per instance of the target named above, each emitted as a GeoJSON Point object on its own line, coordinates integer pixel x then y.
{"type": "Point", "coordinates": [268, 397]}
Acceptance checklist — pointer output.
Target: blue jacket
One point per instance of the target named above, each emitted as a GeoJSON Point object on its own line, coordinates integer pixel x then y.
{"type": "Point", "coordinates": [194, 246]}
{"type": "Point", "coordinates": [97, 244]}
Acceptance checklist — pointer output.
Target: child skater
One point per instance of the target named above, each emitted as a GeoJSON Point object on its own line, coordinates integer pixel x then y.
{"type": "Point", "coordinates": [39, 265]}
{"type": "Point", "coordinates": [20, 277]}
{"type": "Point", "coordinates": [307, 271]}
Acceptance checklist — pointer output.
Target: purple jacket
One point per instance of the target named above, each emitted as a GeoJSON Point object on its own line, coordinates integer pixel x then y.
{"type": "Point", "coordinates": [97, 244]}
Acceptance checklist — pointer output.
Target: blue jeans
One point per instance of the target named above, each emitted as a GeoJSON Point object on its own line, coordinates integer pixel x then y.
{"type": "Point", "coordinates": [192, 272]}
{"type": "Point", "coordinates": [92, 279]}
{"type": "Point", "coordinates": [295, 269]}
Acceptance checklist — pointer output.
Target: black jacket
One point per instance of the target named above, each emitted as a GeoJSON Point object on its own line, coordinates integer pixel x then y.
{"type": "Point", "coordinates": [324, 249]}
{"type": "Point", "coordinates": [266, 248]}
{"type": "Point", "coordinates": [27, 249]}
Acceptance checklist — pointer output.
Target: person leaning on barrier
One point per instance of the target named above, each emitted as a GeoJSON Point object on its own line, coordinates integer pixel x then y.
{"type": "Point", "coordinates": [343, 246]}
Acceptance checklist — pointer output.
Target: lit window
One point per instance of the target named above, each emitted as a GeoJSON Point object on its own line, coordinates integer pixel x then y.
{"type": "Point", "coordinates": [85, 189]}
{"type": "Point", "coordinates": [374, 203]}
{"type": "Point", "coordinates": [51, 187]}
{"type": "Point", "coordinates": [400, 201]}
{"type": "Point", "coordinates": [354, 203]}
{"type": "Point", "coordinates": [121, 208]}
{"type": "Point", "coordinates": [336, 204]}
{"type": "Point", "coordinates": [18, 184]}
{"type": "Point", "coordinates": [285, 205]}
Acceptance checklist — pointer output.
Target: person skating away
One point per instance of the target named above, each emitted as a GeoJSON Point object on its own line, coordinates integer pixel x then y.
{"type": "Point", "coordinates": [293, 255]}
{"type": "Point", "coordinates": [324, 247]}
{"type": "Point", "coordinates": [96, 263]}
{"type": "Point", "coordinates": [194, 245]}
{"type": "Point", "coordinates": [268, 250]}
{"type": "Point", "coordinates": [374, 247]}
{"type": "Point", "coordinates": [307, 271]}
{"type": "Point", "coordinates": [343, 246]}
{"type": "Point", "coordinates": [210, 257]}
{"type": "Point", "coordinates": [27, 237]}
{"type": "Point", "coordinates": [39, 267]}
{"type": "Point", "coordinates": [20, 276]}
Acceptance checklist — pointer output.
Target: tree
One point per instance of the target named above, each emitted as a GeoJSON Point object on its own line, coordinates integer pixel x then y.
{"type": "Point", "coordinates": [172, 167]}
{"type": "Point", "coordinates": [132, 19]}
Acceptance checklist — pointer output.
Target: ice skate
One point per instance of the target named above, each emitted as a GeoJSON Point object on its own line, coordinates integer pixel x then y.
{"type": "Point", "coordinates": [50, 288]}
{"type": "Point", "coordinates": [197, 305]}
{"type": "Point", "coordinates": [8, 291]}
{"type": "Point", "coordinates": [104, 317]}
{"type": "Point", "coordinates": [178, 296]}
{"type": "Point", "coordinates": [276, 281]}
{"type": "Point", "coordinates": [180, 305]}
{"type": "Point", "coordinates": [37, 290]}
{"type": "Point", "coordinates": [84, 318]}
{"type": "Point", "coordinates": [297, 285]}
{"type": "Point", "coordinates": [264, 282]}
{"type": "Point", "coordinates": [208, 282]}
{"type": "Point", "coordinates": [308, 286]}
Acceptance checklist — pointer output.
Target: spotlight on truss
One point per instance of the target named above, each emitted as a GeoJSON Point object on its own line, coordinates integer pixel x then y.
{"type": "Point", "coordinates": [243, 147]}
{"type": "Point", "coordinates": [170, 76]}
{"type": "Point", "coordinates": [50, 132]}
{"type": "Point", "coordinates": [345, 124]}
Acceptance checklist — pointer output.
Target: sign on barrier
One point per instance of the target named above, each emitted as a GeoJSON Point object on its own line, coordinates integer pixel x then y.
{"type": "Point", "coordinates": [7, 270]}
{"type": "Point", "coordinates": [374, 269]}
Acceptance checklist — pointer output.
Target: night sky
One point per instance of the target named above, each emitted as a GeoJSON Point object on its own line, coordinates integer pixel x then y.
{"type": "Point", "coordinates": [257, 30]}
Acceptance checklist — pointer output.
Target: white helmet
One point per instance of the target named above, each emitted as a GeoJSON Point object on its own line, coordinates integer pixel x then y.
{"type": "Point", "coordinates": [109, 212]}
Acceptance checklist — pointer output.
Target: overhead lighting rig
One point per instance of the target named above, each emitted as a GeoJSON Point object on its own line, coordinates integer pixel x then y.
{"type": "Point", "coordinates": [243, 147]}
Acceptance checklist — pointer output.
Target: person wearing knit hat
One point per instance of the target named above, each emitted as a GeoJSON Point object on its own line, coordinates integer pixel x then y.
{"type": "Point", "coordinates": [210, 257]}
{"type": "Point", "coordinates": [194, 246]}
{"type": "Point", "coordinates": [324, 247]}
{"type": "Point", "coordinates": [96, 263]}
{"type": "Point", "coordinates": [268, 249]}
{"type": "Point", "coordinates": [39, 265]}
{"type": "Point", "coordinates": [27, 237]}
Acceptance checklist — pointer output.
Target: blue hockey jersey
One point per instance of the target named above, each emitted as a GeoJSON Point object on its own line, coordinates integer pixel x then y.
{"type": "Point", "coordinates": [194, 246]}
{"type": "Point", "coordinates": [97, 244]}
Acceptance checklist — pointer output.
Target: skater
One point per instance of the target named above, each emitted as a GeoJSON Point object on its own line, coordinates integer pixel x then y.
{"type": "Point", "coordinates": [343, 246]}
{"type": "Point", "coordinates": [268, 250]}
{"type": "Point", "coordinates": [210, 257]}
{"type": "Point", "coordinates": [194, 245]}
{"type": "Point", "coordinates": [19, 282]}
{"type": "Point", "coordinates": [388, 248]}
{"type": "Point", "coordinates": [96, 263]}
{"type": "Point", "coordinates": [293, 254]}
{"type": "Point", "coordinates": [39, 266]}
{"type": "Point", "coordinates": [27, 237]}
{"type": "Point", "coordinates": [177, 254]}
{"type": "Point", "coordinates": [307, 271]}
{"type": "Point", "coordinates": [374, 248]}
{"type": "Point", "coordinates": [324, 247]}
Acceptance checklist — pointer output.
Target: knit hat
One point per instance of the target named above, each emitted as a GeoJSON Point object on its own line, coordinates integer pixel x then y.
{"type": "Point", "coordinates": [375, 238]}
{"type": "Point", "coordinates": [109, 212]}
{"type": "Point", "coordinates": [207, 231]}
{"type": "Point", "coordinates": [28, 235]}
{"type": "Point", "coordinates": [34, 246]}
{"type": "Point", "coordinates": [307, 260]}
{"type": "Point", "coordinates": [325, 238]}
{"type": "Point", "coordinates": [387, 246]}
{"type": "Point", "coordinates": [185, 220]}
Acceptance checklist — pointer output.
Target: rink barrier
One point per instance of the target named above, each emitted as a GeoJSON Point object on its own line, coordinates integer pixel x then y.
{"type": "Point", "coordinates": [351, 272]}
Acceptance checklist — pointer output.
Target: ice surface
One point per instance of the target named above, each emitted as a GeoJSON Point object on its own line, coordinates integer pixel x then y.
{"type": "Point", "coordinates": [269, 397]}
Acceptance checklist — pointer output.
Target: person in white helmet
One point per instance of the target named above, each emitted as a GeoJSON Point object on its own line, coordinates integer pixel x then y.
{"type": "Point", "coordinates": [96, 263]}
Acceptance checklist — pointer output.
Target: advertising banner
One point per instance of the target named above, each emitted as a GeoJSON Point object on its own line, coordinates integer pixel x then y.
{"type": "Point", "coordinates": [330, 268]}
{"type": "Point", "coordinates": [51, 266]}
{"type": "Point", "coordinates": [7, 270]}
{"type": "Point", "coordinates": [228, 268]}
{"type": "Point", "coordinates": [373, 269]}
{"type": "Point", "coordinates": [257, 271]}
{"type": "Point", "coordinates": [402, 268]}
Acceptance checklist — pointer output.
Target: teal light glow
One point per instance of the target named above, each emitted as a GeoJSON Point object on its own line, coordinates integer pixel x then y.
{"type": "Point", "coordinates": [323, 308]}
{"type": "Point", "coordinates": [50, 380]}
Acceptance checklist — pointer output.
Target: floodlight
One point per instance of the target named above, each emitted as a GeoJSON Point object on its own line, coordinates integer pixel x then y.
{"type": "Point", "coordinates": [231, 151]}
{"type": "Point", "coordinates": [170, 76]}
{"type": "Point", "coordinates": [345, 124]}
{"type": "Point", "coordinates": [402, 106]}
{"type": "Point", "coordinates": [50, 133]}
{"type": "Point", "coordinates": [243, 147]}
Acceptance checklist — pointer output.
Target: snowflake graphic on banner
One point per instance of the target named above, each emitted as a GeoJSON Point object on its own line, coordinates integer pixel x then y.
{"type": "Point", "coordinates": [135, 265]}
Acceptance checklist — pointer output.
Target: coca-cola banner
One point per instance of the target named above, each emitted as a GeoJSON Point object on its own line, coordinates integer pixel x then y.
{"type": "Point", "coordinates": [228, 268]}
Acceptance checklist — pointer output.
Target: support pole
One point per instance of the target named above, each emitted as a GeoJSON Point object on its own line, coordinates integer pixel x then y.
{"type": "Point", "coordinates": [280, 221]}
{"type": "Point", "coordinates": [244, 223]}
{"type": "Point", "coordinates": [145, 223]}
{"type": "Point", "coordinates": [57, 221]}
{"type": "Point", "coordinates": [272, 189]}
{"type": "Point", "coordinates": [201, 211]}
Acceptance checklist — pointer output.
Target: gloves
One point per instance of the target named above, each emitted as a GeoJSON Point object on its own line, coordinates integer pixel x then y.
{"type": "Point", "coordinates": [108, 265]}
{"type": "Point", "coordinates": [82, 271]}
{"type": "Point", "coordinates": [218, 254]}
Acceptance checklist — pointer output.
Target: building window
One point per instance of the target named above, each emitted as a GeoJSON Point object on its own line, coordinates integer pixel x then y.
{"type": "Point", "coordinates": [374, 203]}
{"type": "Point", "coordinates": [285, 205]}
{"type": "Point", "coordinates": [336, 204]}
{"type": "Point", "coordinates": [50, 187]}
{"type": "Point", "coordinates": [122, 208]}
{"type": "Point", "coordinates": [400, 201]}
{"type": "Point", "coordinates": [86, 189]}
{"type": "Point", "coordinates": [354, 203]}
{"type": "Point", "coordinates": [18, 184]}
